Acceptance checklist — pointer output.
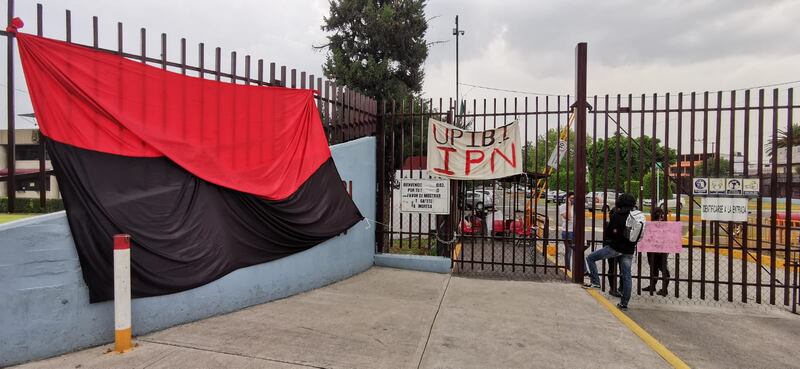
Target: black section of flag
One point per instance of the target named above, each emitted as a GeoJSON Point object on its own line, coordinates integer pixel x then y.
{"type": "Point", "coordinates": [186, 232]}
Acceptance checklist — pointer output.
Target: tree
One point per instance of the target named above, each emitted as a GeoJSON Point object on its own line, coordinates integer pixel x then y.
{"type": "Point", "coordinates": [724, 168]}
{"type": "Point", "coordinates": [784, 140]}
{"type": "Point", "coordinates": [377, 47]}
{"type": "Point", "coordinates": [608, 160]}
{"type": "Point", "coordinates": [649, 188]}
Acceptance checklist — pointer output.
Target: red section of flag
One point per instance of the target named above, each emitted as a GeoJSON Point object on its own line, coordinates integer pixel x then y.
{"type": "Point", "coordinates": [265, 141]}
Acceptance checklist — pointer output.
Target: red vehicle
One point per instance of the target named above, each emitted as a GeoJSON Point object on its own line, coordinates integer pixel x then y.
{"type": "Point", "coordinates": [473, 225]}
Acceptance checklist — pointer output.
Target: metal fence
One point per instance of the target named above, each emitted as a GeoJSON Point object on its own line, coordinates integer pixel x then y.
{"type": "Point", "coordinates": [719, 134]}
{"type": "Point", "coordinates": [346, 114]}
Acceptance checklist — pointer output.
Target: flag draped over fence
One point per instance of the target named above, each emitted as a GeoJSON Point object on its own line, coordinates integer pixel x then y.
{"type": "Point", "coordinates": [207, 177]}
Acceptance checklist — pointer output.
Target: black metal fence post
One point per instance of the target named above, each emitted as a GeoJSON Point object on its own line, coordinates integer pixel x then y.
{"type": "Point", "coordinates": [11, 184]}
{"type": "Point", "coordinates": [380, 177]}
{"type": "Point", "coordinates": [580, 162]}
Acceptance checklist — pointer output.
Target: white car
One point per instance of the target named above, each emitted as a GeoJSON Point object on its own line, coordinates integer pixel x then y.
{"type": "Point", "coordinates": [673, 203]}
{"type": "Point", "coordinates": [554, 196]}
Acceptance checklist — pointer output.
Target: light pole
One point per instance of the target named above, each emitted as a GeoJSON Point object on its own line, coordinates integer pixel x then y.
{"type": "Point", "coordinates": [458, 33]}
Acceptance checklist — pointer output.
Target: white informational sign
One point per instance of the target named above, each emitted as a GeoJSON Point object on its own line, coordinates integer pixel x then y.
{"type": "Point", "coordinates": [462, 154]}
{"type": "Point", "coordinates": [724, 209]}
{"type": "Point", "coordinates": [733, 186]}
{"type": "Point", "coordinates": [751, 186]}
{"type": "Point", "coordinates": [430, 196]}
{"type": "Point", "coordinates": [558, 154]}
{"type": "Point", "coordinates": [716, 186]}
{"type": "Point", "coordinates": [783, 154]}
{"type": "Point", "coordinates": [700, 186]}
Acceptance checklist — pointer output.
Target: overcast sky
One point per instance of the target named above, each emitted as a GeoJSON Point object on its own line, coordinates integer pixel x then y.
{"type": "Point", "coordinates": [634, 46]}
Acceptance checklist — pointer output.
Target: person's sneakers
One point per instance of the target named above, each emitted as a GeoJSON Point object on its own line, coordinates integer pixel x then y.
{"type": "Point", "coordinates": [615, 293]}
{"type": "Point", "coordinates": [622, 307]}
{"type": "Point", "coordinates": [650, 288]}
{"type": "Point", "coordinates": [591, 286]}
{"type": "Point", "coordinates": [663, 292]}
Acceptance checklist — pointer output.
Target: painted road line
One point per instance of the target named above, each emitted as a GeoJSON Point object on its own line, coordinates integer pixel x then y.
{"type": "Point", "coordinates": [456, 255]}
{"type": "Point", "coordinates": [751, 257]}
{"type": "Point", "coordinates": [551, 257]}
{"type": "Point", "coordinates": [648, 339]}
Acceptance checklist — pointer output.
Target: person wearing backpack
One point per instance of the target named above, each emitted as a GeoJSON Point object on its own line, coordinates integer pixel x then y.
{"type": "Point", "coordinates": [620, 237]}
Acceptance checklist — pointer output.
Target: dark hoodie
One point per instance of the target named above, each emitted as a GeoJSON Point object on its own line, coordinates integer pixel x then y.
{"type": "Point", "coordinates": [614, 233]}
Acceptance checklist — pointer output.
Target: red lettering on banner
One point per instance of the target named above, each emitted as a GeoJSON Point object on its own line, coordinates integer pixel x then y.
{"type": "Point", "coordinates": [436, 137]}
{"type": "Point", "coordinates": [453, 135]}
{"type": "Point", "coordinates": [446, 169]}
{"type": "Point", "coordinates": [471, 161]}
{"type": "Point", "coordinates": [512, 162]}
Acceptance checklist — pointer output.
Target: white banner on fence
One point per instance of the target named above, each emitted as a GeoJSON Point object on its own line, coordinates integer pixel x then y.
{"type": "Point", "coordinates": [725, 209]}
{"type": "Point", "coordinates": [462, 154]}
{"type": "Point", "coordinates": [425, 196]}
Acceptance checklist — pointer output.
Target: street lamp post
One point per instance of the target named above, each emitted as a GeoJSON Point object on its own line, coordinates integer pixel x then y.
{"type": "Point", "coordinates": [457, 32]}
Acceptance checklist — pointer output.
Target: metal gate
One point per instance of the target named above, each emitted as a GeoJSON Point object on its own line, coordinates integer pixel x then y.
{"type": "Point", "coordinates": [495, 227]}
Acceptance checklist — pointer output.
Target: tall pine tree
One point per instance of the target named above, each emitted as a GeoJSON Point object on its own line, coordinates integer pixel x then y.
{"type": "Point", "coordinates": [377, 47]}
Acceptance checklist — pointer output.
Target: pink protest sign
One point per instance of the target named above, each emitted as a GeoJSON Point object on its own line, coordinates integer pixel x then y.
{"type": "Point", "coordinates": [664, 237]}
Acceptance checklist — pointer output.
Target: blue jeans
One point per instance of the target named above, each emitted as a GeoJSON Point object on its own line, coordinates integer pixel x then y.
{"type": "Point", "coordinates": [624, 260]}
{"type": "Point", "coordinates": [569, 243]}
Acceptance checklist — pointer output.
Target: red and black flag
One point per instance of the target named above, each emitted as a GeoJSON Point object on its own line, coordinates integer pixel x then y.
{"type": "Point", "coordinates": [207, 177]}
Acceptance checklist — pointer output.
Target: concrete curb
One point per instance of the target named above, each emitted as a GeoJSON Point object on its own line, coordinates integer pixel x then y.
{"type": "Point", "coordinates": [434, 264]}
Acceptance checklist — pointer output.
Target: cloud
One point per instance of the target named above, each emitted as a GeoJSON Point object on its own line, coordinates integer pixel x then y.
{"type": "Point", "coordinates": [634, 46]}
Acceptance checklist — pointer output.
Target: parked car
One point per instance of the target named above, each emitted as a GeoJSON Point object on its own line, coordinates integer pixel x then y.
{"type": "Point", "coordinates": [673, 203]}
{"type": "Point", "coordinates": [478, 200]}
{"type": "Point", "coordinates": [556, 196]}
{"type": "Point", "coordinates": [594, 200]}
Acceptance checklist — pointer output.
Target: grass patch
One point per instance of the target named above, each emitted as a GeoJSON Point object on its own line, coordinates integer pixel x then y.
{"type": "Point", "coordinates": [414, 246]}
{"type": "Point", "coordinates": [5, 218]}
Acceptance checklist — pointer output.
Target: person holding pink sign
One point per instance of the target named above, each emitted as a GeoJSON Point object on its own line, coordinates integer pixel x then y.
{"type": "Point", "coordinates": [658, 261]}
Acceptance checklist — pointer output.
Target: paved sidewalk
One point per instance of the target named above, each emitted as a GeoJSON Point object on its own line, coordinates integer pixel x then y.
{"type": "Point", "coordinates": [387, 318]}
{"type": "Point", "coordinates": [723, 336]}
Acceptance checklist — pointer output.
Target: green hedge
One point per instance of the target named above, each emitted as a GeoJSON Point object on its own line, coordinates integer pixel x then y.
{"type": "Point", "coordinates": [32, 205]}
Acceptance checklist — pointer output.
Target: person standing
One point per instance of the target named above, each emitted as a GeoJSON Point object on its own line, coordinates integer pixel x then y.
{"type": "Point", "coordinates": [616, 246]}
{"type": "Point", "coordinates": [658, 261]}
{"type": "Point", "coordinates": [567, 214]}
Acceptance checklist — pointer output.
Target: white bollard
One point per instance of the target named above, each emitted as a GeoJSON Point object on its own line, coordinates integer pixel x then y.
{"type": "Point", "coordinates": [122, 293]}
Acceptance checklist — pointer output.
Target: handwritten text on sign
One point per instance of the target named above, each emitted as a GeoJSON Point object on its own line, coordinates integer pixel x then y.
{"type": "Point", "coordinates": [462, 154]}
{"type": "Point", "coordinates": [664, 237]}
{"type": "Point", "coordinates": [725, 209]}
{"type": "Point", "coordinates": [425, 196]}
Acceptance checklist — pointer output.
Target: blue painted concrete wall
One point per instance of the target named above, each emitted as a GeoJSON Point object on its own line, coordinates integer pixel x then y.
{"type": "Point", "coordinates": [422, 263]}
{"type": "Point", "coordinates": [44, 303]}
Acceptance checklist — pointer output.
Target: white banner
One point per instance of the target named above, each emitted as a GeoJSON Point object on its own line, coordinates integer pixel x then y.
{"type": "Point", "coordinates": [462, 154]}
{"type": "Point", "coordinates": [425, 196]}
{"type": "Point", "coordinates": [724, 209]}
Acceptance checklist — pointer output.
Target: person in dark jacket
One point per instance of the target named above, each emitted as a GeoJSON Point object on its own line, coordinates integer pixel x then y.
{"type": "Point", "coordinates": [658, 261]}
{"type": "Point", "coordinates": [616, 246]}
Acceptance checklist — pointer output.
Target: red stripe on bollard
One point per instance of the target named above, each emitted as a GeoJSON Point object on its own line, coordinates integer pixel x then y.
{"type": "Point", "coordinates": [122, 242]}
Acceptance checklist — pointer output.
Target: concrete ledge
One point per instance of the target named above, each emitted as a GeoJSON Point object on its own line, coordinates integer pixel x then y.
{"type": "Point", "coordinates": [434, 264]}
